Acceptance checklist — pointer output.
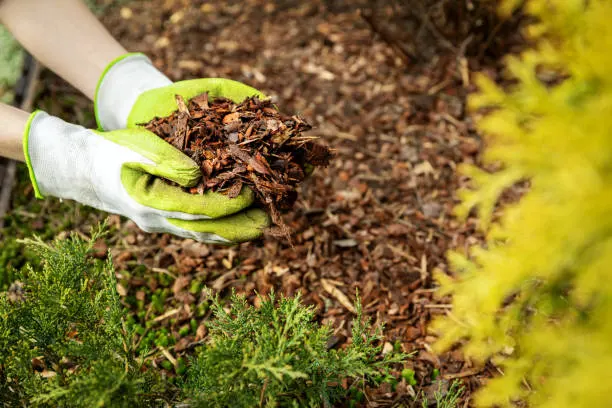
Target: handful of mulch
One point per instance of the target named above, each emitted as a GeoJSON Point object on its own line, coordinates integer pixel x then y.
{"type": "Point", "coordinates": [250, 143]}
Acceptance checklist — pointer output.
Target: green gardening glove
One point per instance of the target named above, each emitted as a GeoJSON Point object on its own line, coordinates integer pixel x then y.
{"type": "Point", "coordinates": [132, 91]}
{"type": "Point", "coordinates": [121, 172]}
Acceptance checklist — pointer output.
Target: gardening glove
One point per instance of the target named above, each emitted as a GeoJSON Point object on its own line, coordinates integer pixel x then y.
{"type": "Point", "coordinates": [131, 92]}
{"type": "Point", "coordinates": [121, 172]}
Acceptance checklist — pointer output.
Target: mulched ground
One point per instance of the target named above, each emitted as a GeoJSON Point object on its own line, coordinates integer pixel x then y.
{"type": "Point", "coordinates": [385, 87]}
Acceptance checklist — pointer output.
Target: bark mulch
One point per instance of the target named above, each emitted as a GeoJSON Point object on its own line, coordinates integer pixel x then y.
{"type": "Point", "coordinates": [244, 144]}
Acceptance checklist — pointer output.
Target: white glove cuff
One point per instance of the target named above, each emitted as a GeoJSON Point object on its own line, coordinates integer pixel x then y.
{"type": "Point", "coordinates": [54, 153]}
{"type": "Point", "coordinates": [120, 86]}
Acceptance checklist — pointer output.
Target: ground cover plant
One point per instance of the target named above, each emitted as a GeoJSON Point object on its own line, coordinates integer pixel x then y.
{"type": "Point", "coordinates": [448, 399]}
{"type": "Point", "coordinates": [276, 355]}
{"type": "Point", "coordinates": [537, 297]}
{"type": "Point", "coordinates": [65, 341]}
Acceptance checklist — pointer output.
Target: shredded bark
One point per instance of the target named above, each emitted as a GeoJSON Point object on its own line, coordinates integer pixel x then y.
{"type": "Point", "coordinates": [247, 144]}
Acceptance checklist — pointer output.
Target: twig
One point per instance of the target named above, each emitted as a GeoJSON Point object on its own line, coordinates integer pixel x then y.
{"type": "Point", "coordinates": [466, 373]}
{"type": "Point", "coordinates": [221, 282]}
{"type": "Point", "coordinates": [263, 393]}
{"type": "Point", "coordinates": [423, 15]}
{"type": "Point", "coordinates": [462, 61]}
{"type": "Point", "coordinates": [438, 306]}
{"type": "Point", "coordinates": [8, 182]}
{"type": "Point", "coordinates": [337, 293]}
{"type": "Point", "coordinates": [490, 38]}
{"type": "Point", "coordinates": [165, 271]}
{"type": "Point", "coordinates": [169, 356]}
{"type": "Point", "coordinates": [141, 338]}
{"type": "Point", "coordinates": [166, 315]}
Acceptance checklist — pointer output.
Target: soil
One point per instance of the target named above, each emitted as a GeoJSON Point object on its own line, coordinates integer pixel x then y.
{"type": "Point", "coordinates": [384, 83]}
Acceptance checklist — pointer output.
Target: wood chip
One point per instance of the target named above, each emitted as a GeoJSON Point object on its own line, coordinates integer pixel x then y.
{"type": "Point", "coordinates": [337, 293]}
{"type": "Point", "coordinates": [166, 315]}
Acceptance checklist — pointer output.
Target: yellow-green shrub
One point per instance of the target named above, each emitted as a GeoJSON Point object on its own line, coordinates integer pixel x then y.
{"type": "Point", "coordinates": [538, 296]}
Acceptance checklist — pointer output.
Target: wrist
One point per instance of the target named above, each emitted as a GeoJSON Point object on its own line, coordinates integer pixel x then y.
{"type": "Point", "coordinates": [120, 85]}
{"type": "Point", "coordinates": [11, 132]}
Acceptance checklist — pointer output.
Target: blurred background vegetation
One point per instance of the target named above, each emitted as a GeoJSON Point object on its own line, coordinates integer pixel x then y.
{"type": "Point", "coordinates": [11, 63]}
{"type": "Point", "coordinates": [12, 55]}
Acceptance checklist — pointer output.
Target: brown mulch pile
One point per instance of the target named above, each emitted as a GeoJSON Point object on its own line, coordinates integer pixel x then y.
{"type": "Point", "coordinates": [244, 144]}
{"type": "Point", "coordinates": [384, 83]}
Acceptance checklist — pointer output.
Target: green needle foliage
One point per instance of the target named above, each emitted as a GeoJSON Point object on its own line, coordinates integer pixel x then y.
{"type": "Point", "coordinates": [538, 297]}
{"type": "Point", "coordinates": [276, 355]}
{"type": "Point", "coordinates": [448, 399]}
{"type": "Point", "coordinates": [64, 342]}
{"type": "Point", "coordinates": [62, 338]}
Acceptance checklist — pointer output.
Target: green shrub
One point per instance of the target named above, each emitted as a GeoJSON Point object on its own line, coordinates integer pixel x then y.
{"type": "Point", "coordinates": [276, 355]}
{"type": "Point", "coordinates": [64, 342]}
{"type": "Point", "coordinates": [445, 399]}
{"type": "Point", "coordinates": [538, 297]}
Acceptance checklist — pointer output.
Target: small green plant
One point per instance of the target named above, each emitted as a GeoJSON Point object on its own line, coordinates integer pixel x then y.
{"type": "Point", "coordinates": [448, 399]}
{"type": "Point", "coordinates": [276, 355]}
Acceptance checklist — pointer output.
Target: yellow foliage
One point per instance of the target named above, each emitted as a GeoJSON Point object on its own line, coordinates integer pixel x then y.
{"type": "Point", "coordinates": [538, 299]}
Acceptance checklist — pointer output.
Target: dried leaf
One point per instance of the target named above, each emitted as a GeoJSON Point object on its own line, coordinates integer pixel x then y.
{"type": "Point", "coordinates": [232, 117]}
{"type": "Point", "coordinates": [259, 164]}
{"type": "Point", "coordinates": [48, 374]}
{"type": "Point", "coordinates": [121, 290]}
{"type": "Point", "coordinates": [180, 283]}
{"type": "Point", "coordinates": [346, 243]}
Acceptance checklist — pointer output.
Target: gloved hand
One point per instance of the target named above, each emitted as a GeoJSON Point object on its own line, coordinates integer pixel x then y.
{"type": "Point", "coordinates": [118, 172]}
{"type": "Point", "coordinates": [132, 91]}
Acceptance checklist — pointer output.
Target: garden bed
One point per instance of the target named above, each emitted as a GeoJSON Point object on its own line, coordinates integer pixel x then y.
{"type": "Point", "coordinates": [378, 220]}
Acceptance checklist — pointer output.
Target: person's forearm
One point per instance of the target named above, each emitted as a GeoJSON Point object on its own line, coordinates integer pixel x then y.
{"type": "Point", "coordinates": [65, 36]}
{"type": "Point", "coordinates": [12, 125]}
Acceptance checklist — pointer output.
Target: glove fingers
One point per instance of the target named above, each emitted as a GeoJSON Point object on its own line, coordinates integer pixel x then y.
{"type": "Point", "coordinates": [166, 160]}
{"type": "Point", "coordinates": [161, 102]}
{"type": "Point", "coordinates": [153, 192]}
{"type": "Point", "coordinates": [241, 227]}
